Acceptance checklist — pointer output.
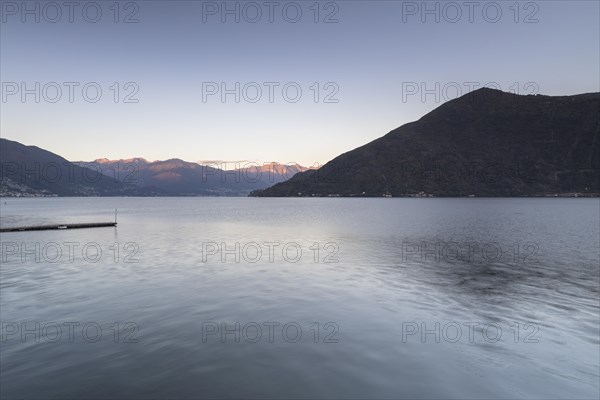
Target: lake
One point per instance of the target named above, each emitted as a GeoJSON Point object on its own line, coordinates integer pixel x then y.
{"type": "Point", "coordinates": [301, 298]}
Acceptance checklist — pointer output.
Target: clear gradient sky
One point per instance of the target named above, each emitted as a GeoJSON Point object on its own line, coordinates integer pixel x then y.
{"type": "Point", "coordinates": [373, 55]}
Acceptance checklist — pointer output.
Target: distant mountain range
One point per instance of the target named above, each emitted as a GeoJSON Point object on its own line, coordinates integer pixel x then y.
{"type": "Point", "coordinates": [181, 178]}
{"type": "Point", "coordinates": [485, 143]}
{"type": "Point", "coordinates": [32, 171]}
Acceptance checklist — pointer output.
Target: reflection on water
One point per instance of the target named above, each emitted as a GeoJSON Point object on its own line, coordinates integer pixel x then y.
{"type": "Point", "coordinates": [302, 298]}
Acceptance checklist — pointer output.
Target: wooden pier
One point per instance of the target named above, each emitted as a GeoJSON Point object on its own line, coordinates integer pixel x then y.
{"type": "Point", "coordinates": [59, 226]}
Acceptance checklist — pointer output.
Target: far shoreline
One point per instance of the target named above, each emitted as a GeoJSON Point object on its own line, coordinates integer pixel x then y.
{"type": "Point", "coordinates": [543, 196]}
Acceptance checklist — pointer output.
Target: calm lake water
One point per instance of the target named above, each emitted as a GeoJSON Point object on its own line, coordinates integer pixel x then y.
{"type": "Point", "coordinates": [301, 298]}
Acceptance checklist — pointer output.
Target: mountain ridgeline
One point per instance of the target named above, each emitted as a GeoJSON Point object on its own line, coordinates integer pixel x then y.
{"type": "Point", "coordinates": [485, 143]}
{"type": "Point", "coordinates": [29, 171]}
{"type": "Point", "coordinates": [181, 178]}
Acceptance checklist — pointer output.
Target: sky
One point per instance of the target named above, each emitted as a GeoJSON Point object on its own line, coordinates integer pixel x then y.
{"type": "Point", "coordinates": [265, 81]}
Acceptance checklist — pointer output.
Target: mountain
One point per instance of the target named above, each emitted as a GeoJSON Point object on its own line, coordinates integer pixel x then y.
{"type": "Point", "coordinates": [485, 143]}
{"type": "Point", "coordinates": [273, 172]}
{"type": "Point", "coordinates": [31, 171]}
{"type": "Point", "coordinates": [181, 178]}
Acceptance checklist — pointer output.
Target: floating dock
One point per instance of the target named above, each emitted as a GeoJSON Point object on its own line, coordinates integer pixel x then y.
{"type": "Point", "coordinates": [59, 226]}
